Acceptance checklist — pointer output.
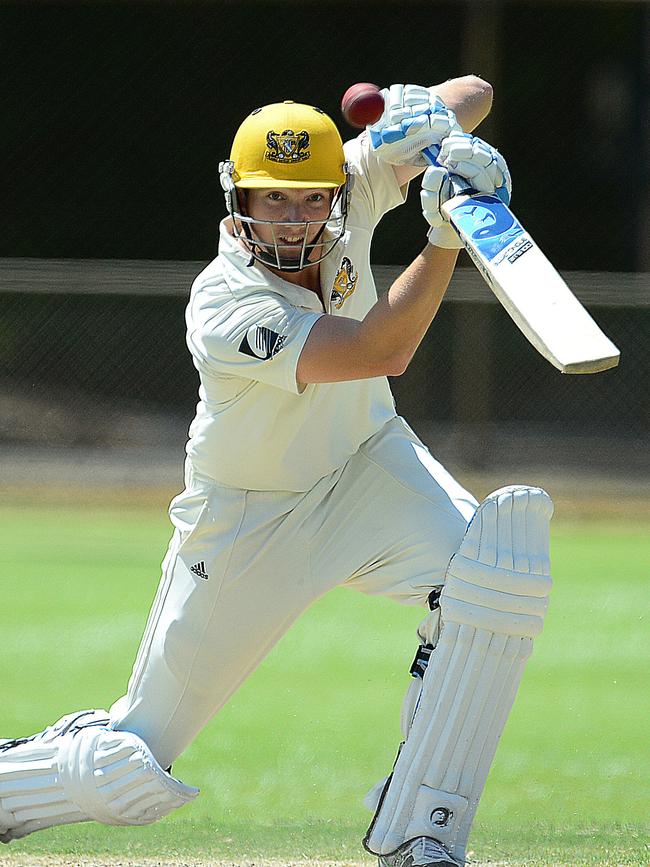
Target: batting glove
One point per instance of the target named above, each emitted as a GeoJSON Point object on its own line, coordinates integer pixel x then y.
{"type": "Point", "coordinates": [437, 188]}
{"type": "Point", "coordinates": [465, 163]}
{"type": "Point", "coordinates": [478, 163]}
{"type": "Point", "coordinates": [414, 118]}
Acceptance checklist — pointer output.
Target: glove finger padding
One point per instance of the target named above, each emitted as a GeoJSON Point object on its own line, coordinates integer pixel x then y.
{"type": "Point", "coordinates": [437, 189]}
{"type": "Point", "coordinates": [415, 95]}
{"type": "Point", "coordinates": [414, 118]}
{"type": "Point", "coordinates": [479, 163]}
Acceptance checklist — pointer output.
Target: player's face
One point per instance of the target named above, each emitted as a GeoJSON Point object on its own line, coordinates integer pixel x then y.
{"type": "Point", "coordinates": [286, 208]}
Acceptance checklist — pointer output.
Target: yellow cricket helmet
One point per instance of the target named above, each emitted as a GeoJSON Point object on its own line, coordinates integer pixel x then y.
{"type": "Point", "coordinates": [288, 144]}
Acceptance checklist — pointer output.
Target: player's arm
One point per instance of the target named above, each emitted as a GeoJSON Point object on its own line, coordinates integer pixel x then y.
{"type": "Point", "coordinates": [383, 343]}
{"type": "Point", "coordinates": [469, 97]}
{"type": "Point", "coordinates": [385, 340]}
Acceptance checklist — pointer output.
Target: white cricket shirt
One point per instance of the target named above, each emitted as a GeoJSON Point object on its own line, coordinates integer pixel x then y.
{"type": "Point", "coordinates": [254, 427]}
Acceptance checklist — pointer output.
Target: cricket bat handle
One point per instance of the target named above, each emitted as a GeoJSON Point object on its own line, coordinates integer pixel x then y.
{"type": "Point", "coordinates": [460, 185]}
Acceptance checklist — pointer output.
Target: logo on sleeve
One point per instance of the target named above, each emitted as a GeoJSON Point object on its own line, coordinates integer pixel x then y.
{"type": "Point", "coordinates": [345, 283]}
{"type": "Point", "coordinates": [261, 342]}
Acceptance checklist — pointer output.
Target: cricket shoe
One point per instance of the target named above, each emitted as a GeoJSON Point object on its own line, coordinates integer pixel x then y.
{"type": "Point", "coordinates": [419, 852]}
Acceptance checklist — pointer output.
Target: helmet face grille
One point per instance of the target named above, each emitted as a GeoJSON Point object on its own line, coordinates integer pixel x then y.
{"type": "Point", "coordinates": [292, 257]}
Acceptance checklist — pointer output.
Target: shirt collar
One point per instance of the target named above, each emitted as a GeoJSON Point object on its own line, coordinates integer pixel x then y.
{"type": "Point", "coordinates": [245, 276]}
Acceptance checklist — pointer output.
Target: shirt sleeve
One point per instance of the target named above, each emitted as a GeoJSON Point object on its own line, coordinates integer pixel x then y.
{"type": "Point", "coordinates": [375, 189]}
{"type": "Point", "coordinates": [259, 337]}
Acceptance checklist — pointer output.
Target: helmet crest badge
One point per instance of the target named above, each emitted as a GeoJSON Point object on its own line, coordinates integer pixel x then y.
{"type": "Point", "coordinates": [287, 147]}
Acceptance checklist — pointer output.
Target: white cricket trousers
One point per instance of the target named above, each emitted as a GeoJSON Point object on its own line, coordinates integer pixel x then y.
{"type": "Point", "coordinates": [243, 565]}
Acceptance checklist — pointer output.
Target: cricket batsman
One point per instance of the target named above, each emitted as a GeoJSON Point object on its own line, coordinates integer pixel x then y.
{"type": "Point", "coordinates": [300, 477]}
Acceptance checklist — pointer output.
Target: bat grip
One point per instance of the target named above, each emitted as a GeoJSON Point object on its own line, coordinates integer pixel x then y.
{"type": "Point", "coordinates": [460, 185]}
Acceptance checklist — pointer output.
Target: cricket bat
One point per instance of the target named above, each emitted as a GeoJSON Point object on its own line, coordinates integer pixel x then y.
{"type": "Point", "coordinates": [526, 283]}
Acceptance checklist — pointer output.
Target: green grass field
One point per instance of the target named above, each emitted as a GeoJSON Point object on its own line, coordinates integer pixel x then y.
{"type": "Point", "coordinates": [284, 767]}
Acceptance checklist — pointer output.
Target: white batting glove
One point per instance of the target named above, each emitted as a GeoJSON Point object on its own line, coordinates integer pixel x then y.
{"type": "Point", "coordinates": [474, 160]}
{"type": "Point", "coordinates": [437, 188]}
{"type": "Point", "coordinates": [464, 161]}
{"type": "Point", "coordinates": [414, 118]}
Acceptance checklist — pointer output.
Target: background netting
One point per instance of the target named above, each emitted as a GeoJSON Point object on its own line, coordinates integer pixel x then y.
{"type": "Point", "coordinates": [112, 370]}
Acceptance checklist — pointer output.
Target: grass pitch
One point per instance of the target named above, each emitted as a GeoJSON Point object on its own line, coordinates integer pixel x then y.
{"type": "Point", "coordinates": [284, 767]}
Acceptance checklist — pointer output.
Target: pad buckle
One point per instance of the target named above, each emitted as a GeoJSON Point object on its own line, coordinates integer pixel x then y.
{"type": "Point", "coordinates": [421, 660]}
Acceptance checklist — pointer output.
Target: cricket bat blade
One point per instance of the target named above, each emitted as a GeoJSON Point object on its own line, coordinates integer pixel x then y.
{"type": "Point", "coordinates": [528, 286]}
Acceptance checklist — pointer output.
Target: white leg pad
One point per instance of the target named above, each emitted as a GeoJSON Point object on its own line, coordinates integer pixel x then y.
{"type": "Point", "coordinates": [492, 607]}
{"type": "Point", "coordinates": [80, 770]}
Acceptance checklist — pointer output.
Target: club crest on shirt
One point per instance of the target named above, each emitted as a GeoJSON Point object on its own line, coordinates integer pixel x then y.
{"type": "Point", "coordinates": [344, 283]}
{"type": "Point", "coordinates": [287, 146]}
{"type": "Point", "coordinates": [260, 342]}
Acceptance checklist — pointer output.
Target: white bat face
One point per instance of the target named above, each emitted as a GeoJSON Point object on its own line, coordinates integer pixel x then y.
{"type": "Point", "coordinates": [525, 282]}
{"type": "Point", "coordinates": [528, 286]}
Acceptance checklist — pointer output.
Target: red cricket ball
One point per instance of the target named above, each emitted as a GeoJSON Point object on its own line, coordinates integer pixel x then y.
{"type": "Point", "coordinates": [362, 104]}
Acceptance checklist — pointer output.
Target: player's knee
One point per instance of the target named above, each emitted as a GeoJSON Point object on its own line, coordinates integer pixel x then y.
{"type": "Point", "coordinates": [499, 578]}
